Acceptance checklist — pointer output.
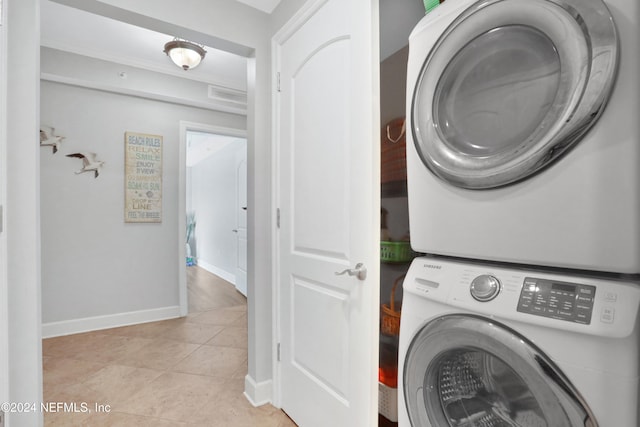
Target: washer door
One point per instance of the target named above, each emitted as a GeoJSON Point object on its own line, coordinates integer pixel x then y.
{"type": "Point", "coordinates": [468, 371]}
{"type": "Point", "coordinates": [510, 85]}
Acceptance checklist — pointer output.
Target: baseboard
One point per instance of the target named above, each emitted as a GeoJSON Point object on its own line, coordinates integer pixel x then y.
{"type": "Point", "coordinates": [87, 324]}
{"type": "Point", "coordinates": [231, 278]}
{"type": "Point", "coordinates": [257, 394]}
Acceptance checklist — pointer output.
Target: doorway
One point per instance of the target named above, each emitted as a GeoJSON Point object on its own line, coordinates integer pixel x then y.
{"type": "Point", "coordinates": [213, 191]}
{"type": "Point", "coordinates": [216, 200]}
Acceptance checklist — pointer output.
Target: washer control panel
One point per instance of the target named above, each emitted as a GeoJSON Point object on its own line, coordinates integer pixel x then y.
{"type": "Point", "coordinates": [485, 287]}
{"type": "Point", "coordinates": [572, 302]}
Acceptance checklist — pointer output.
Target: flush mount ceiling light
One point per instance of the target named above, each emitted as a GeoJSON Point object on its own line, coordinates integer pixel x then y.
{"type": "Point", "coordinates": [184, 54]}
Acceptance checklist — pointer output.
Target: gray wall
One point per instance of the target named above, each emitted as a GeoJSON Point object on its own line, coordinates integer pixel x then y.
{"type": "Point", "coordinates": [214, 192]}
{"type": "Point", "coordinates": [93, 263]}
{"type": "Point", "coordinates": [393, 81]}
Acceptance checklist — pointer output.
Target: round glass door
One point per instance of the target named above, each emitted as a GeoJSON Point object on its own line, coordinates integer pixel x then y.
{"type": "Point", "coordinates": [509, 86]}
{"type": "Point", "coordinates": [467, 371]}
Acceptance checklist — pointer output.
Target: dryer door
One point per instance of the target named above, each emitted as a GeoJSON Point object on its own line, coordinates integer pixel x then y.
{"type": "Point", "coordinates": [510, 85]}
{"type": "Point", "coordinates": [468, 371]}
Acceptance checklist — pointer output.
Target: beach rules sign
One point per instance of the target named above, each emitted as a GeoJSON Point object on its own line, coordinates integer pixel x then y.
{"type": "Point", "coordinates": [143, 177]}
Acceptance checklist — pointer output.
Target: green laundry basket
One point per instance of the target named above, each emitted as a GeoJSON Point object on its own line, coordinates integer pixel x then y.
{"type": "Point", "coordinates": [430, 4]}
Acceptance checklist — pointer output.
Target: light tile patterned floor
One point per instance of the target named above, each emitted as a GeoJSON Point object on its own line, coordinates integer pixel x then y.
{"type": "Point", "coordinates": [180, 372]}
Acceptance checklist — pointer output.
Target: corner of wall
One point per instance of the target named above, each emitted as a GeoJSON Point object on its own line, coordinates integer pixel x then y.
{"type": "Point", "coordinates": [258, 394]}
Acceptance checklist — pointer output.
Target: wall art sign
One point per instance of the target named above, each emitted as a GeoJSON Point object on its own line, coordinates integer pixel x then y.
{"type": "Point", "coordinates": [143, 177]}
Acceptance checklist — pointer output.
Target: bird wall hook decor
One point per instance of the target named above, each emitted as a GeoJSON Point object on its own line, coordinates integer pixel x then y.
{"type": "Point", "coordinates": [89, 163]}
{"type": "Point", "coordinates": [49, 139]}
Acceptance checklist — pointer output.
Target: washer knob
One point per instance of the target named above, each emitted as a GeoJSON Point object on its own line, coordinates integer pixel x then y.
{"type": "Point", "coordinates": [485, 288]}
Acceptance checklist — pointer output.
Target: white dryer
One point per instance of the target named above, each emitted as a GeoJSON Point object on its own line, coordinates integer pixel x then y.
{"type": "Point", "coordinates": [524, 132]}
{"type": "Point", "coordinates": [486, 346]}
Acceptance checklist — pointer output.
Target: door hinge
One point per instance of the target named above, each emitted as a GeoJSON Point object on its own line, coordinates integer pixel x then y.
{"type": "Point", "coordinates": [278, 81]}
{"type": "Point", "coordinates": [278, 351]}
{"type": "Point", "coordinates": [278, 217]}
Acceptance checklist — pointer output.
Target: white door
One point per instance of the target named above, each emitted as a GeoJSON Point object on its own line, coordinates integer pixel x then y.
{"type": "Point", "coordinates": [241, 230]}
{"type": "Point", "coordinates": [328, 199]}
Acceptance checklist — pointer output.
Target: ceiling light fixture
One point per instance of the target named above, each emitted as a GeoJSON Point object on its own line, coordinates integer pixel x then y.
{"type": "Point", "coordinates": [184, 54]}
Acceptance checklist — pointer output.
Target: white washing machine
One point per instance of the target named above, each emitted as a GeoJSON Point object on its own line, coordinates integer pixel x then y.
{"type": "Point", "coordinates": [482, 345]}
{"type": "Point", "coordinates": [524, 132]}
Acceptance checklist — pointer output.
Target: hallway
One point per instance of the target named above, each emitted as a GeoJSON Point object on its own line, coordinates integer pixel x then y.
{"type": "Point", "coordinates": [180, 372]}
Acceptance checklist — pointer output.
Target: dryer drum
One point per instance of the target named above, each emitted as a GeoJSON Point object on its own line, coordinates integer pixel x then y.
{"type": "Point", "coordinates": [509, 86]}
{"type": "Point", "coordinates": [469, 371]}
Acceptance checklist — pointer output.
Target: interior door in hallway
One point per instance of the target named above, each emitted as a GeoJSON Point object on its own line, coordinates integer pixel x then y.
{"type": "Point", "coordinates": [241, 215]}
{"type": "Point", "coordinates": [328, 199]}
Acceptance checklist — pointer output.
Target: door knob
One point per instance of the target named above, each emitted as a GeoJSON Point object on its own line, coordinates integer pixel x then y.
{"type": "Point", "coordinates": [360, 271]}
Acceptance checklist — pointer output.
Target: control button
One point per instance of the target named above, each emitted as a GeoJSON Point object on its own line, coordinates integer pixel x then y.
{"type": "Point", "coordinates": [611, 297]}
{"type": "Point", "coordinates": [532, 287]}
{"type": "Point", "coordinates": [608, 314]}
{"type": "Point", "coordinates": [586, 291]}
{"type": "Point", "coordinates": [485, 288]}
{"type": "Point", "coordinates": [584, 299]}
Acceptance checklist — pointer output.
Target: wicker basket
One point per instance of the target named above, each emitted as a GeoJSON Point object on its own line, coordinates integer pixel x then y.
{"type": "Point", "coordinates": [393, 155]}
{"type": "Point", "coordinates": [390, 314]}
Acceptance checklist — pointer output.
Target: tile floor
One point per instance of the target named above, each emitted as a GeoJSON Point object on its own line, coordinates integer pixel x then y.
{"type": "Point", "coordinates": [180, 372]}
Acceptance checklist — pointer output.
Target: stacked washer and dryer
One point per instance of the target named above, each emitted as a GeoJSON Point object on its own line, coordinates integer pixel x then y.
{"type": "Point", "coordinates": [524, 190]}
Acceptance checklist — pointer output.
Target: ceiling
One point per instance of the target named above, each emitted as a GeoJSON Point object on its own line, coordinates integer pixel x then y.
{"type": "Point", "coordinates": [263, 5]}
{"type": "Point", "coordinates": [77, 31]}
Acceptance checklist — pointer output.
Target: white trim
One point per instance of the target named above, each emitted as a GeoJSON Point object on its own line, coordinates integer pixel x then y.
{"type": "Point", "coordinates": [186, 126]}
{"type": "Point", "coordinates": [229, 277]}
{"type": "Point", "coordinates": [74, 326]}
{"type": "Point", "coordinates": [213, 105]}
{"type": "Point", "coordinates": [257, 394]}
{"type": "Point", "coordinates": [275, 203]}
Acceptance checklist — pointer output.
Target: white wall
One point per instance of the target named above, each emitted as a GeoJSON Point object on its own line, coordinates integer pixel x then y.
{"type": "Point", "coordinates": [214, 192]}
{"type": "Point", "coordinates": [93, 263]}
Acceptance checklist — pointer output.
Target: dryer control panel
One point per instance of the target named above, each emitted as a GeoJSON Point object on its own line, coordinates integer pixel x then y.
{"type": "Point", "coordinates": [572, 302]}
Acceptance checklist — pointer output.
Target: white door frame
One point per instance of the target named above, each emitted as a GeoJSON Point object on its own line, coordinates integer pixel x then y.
{"type": "Point", "coordinates": [185, 127]}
